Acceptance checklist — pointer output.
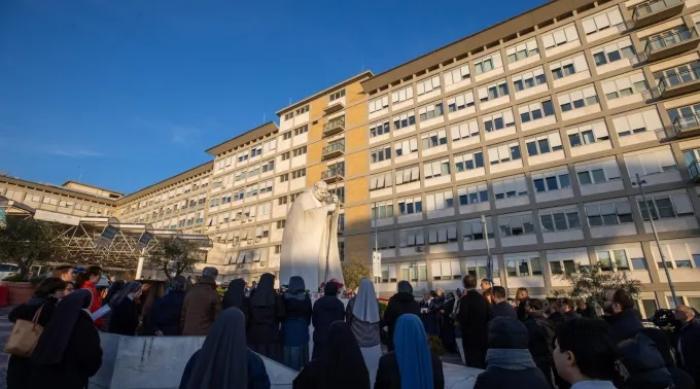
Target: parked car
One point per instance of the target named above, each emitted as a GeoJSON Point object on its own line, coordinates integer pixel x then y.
{"type": "Point", "coordinates": [8, 269]}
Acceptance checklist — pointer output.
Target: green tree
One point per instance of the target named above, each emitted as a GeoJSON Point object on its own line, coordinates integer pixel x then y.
{"type": "Point", "coordinates": [353, 272]}
{"type": "Point", "coordinates": [176, 257]}
{"type": "Point", "coordinates": [592, 283]}
{"type": "Point", "coordinates": [25, 241]}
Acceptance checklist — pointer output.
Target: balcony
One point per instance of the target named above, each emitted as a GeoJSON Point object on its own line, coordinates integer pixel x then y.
{"type": "Point", "coordinates": [670, 43]}
{"type": "Point", "coordinates": [694, 171]}
{"type": "Point", "coordinates": [333, 150]}
{"type": "Point", "coordinates": [333, 107]}
{"type": "Point", "coordinates": [334, 126]}
{"type": "Point", "coordinates": [334, 174]}
{"type": "Point", "coordinates": [684, 126]}
{"type": "Point", "coordinates": [653, 11]}
{"type": "Point", "coordinates": [685, 81]}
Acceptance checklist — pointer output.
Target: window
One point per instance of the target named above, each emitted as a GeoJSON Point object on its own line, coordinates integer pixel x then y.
{"type": "Point", "coordinates": [523, 267]}
{"type": "Point", "coordinates": [504, 153]}
{"type": "Point", "coordinates": [457, 75]}
{"type": "Point", "coordinates": [650, 162]}
{"type": "Point", "coordinates": [285, 156]}
{"type": "Point", "coordinates": [515, 224]}
{"type": "Point", "coordinates": [303, 109]}
{"type": "Point", "coordinates": [284, 177]}
{"type": "Point", "coordinates": [288, 116]}
{"type": "Point", "coordinates": [624, 86]}
{"type": "Point", "coordinates": [560, 36]}
{"type": "Point", "coordinates": [561, 220]}
{"type": "Point", "coordinates": [522, 50]}
{"type": "Point", "coordinates": [464, 130]}
{"type": "Point", "coordinates": [430, 111]}
{"type": "Point", "coordinates": [412, 238]}
{"type": "Point", "coordinates": [433, 139]}
{"type": "Point", "coordinates": [460, 101]}
{"type": "Point", "coordinates": [385, 240]}
{"type": "Point", "coordinates": [529, 80]}
{"type": "Point", "coordinates": [669, 38]}
{"type": "Point", "coordinates": [469, 161]}
{"type": "Point", "coordinates": [287, 135]}
{"type": "Point", "coordinates": [587, 134]}
{"type": "Point", "coordinates": [436, 168]}
{"type": "Point", "coordinates": [407, 175]}
{"type": "Point", "coordinates": [301, 130]}
{"type": "Point", "coordinates": [598, 173]}
{"type": "Point", "coordinates": [404, 120]}
{"type": "Point", "coordinates": [666, 206]}
{"type": "Point", "coordinates": [613, 52]}
{"type": "Point", "coordinates": [609, 213]}
{"type": "Point", "coordinates": [510, 187]}
{"type": "Point", "coordinates": [255, 151]}
{"type": "Point", "coordinates": [442, 233]}
{"type": "Point", "coordinates": [337, 95]}
{"type": "Point", "coordinates": [493, 91]}
{"type": "Point", "coordinates": [378, 129]}
{"type": "Point", "coordinates": [382, 210]}
{"type": "Point", "coordinates": [410, 206]}
{"type": "Point", "coordinates": [551, 181]}
{"type": "Point", "coordinates": [564, 267]}
{"type": "Point", "coordinates": [488, 63]}
{"type": "Point", "coordinates": [678, 75]}
{"type": "Point", "coordinates": [577, 99]}
{"type": "Point", "coordinates": [613, 260]}
{"type": "Point", "coordinates": [299, 173]}
{"type": "Point", "coordinates": [473, 194]}
{"type": "Point", "coordinates": [427, 85]}
{"type": "Point", "coordinates": [380, 181]}
{"type": "Point", "coordinates": [535, 111]}
{"type": "Point", "coordinates": [378, 104]}
{"type": "Point", "coordinates": [438, 201]}
{"type": "Point", "coordinates": [637, 122]}
{"type": "Point", "coordinates": [380, 154]}
{"type": "Point", "coordinates": [544, 144]}
{"type": "Point", "coordinates": [603, 20]}
{"type": "Point", "coordinates": [568, 67]}
{"type": "Point", "coordinates": [685, 117]}
{"type": "Point", "coordinates": [299, 151]}
{"type": "Point", "coordinates": [402, 94]}
{"type": "Point", "coordinates": [406, 147]}
{"type": "Point", "coordinates": [282, 200]}
{"type": "Point", "coordinates": [268, 166]}
{"type": "Point", "coordinates": [473, 229]}
{"type": "Point", "coordinates": [498, 121]}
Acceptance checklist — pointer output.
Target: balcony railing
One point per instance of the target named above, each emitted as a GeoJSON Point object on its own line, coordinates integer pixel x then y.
{"type": "Point", "coordinates": [670, 43]}
{"type": "Point", "coordinates": [685, 125]}
{"type": "Point", "coordinates": [334, 126]}
{"type": "Point", "coordinates": [686, 80]}
{"type": "Point", "coordinates": [334, 149]}
{"type": "Point", "coordinates": [694, 171]}
{"type": "Point", "coordinates": [333, 175]}
{"type": "Point", "coordinates": [655, 10]}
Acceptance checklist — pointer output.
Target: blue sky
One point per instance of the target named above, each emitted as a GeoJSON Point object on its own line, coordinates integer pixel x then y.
{"type": "Point", "coordinates": [124, 93]}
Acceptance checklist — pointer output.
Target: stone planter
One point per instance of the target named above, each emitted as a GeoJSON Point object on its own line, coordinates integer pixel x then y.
{"type": "Point", "coordinates": [19, 292]}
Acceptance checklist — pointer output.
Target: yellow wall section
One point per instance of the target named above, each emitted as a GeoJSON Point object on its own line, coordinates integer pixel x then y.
{"type": "Point", "coordinates": [357, 249]}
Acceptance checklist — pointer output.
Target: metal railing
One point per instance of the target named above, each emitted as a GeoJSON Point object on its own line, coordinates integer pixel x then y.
{"type": "Point", "coordinates": [684, 76]}
{"type": "Point", "coordinates": [334, 147]}
{"type": "Point", "coordinates": [685, 123]}
{"type": "Point", "coordinates": [334, 125]}
{"type": "Point", "coordinates": [652, 7]}
{"type": "Point", "coordinates": [667, 40]}
{"type": "Point", "coordinates": [333, 173]}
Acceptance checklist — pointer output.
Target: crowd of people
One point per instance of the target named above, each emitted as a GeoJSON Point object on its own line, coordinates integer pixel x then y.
{"type": "Point", "coordinates": [522, 341]}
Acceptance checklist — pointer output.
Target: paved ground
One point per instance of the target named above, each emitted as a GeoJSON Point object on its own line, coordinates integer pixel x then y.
{"type": "Point", "coordinates": [5, 328]}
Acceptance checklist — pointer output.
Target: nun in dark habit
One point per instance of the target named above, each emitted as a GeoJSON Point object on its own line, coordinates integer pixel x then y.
{"type": "Point", "coordinates": [235, 296]}
{"type": "Point", "coordinates": [295, 327]}
{"type": "Point", "coordinates": [224, 361]}
{"type": "Point", "coordinates": [266, 312]}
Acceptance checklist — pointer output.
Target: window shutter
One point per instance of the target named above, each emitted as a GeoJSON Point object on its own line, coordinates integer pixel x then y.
{"type": "Point", "coordinates": [571, 34]}
{"type": "Point", "coordinates": [548, 40]}
{"type": "Point", "coordinates": [681, 203]}
{"type": "Point", "coordinates": [602, 21]}
{"type": "Point", "coordinates": [589, 26]}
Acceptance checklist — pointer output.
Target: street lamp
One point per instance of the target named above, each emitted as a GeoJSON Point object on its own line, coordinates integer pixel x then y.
{"type": "Point", "coordinates": [489, 261]}
{"type": "Point", "coordinates": [640, 183]}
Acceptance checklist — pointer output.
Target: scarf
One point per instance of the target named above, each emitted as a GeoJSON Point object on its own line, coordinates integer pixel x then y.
{"type": "Point", "coordinates": [509, 358]}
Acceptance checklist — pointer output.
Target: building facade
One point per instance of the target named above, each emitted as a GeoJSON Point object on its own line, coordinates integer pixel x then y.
{"type": "Point", "coordinates": [542, 125]}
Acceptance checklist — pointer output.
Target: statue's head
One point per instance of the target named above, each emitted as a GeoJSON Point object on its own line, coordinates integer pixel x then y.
{"type": "Point", "coordinates": [320, 191]}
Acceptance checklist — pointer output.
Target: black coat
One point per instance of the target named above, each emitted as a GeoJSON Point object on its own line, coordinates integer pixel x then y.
{"type": "Point", "coordinates": [326, 310]}
{"type": "Point", "coordinates": [389, 377]}
{"type": "Point", "coordinates": [541, 340]}
{"type": "Point", "coordinates": [19, 368]}
{"type": "Point", "coordinates": [124, 318]}
{"type": "Point", "coordinates": [166, 312]}
{"type": "Point", "coordinates": [263, 322]}
{"type": "Point", "coordinates": [624, 325]}
{"type": "Point", "coordinates": [495, 377]}
{"type": "Point", "coordinates": [81, 360]}
{"type": "Point", "coordinates": [399, 304]}
{"type": "Point", "coordinates": [503, 309]}
{"type": "Point", "coordinates": [473, 316]}
{"type": "Point", "coordinates": [689, 342]}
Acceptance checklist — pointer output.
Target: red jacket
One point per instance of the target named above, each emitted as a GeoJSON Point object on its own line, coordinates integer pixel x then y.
{"type": "Point", "coordinates": [96, 299]}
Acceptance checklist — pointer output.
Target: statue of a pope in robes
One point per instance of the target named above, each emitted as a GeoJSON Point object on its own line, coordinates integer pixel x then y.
{"type": "Point", "coordinates": [310, 239]}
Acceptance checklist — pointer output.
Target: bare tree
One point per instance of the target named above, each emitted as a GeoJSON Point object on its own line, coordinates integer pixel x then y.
{"type": "Point", "coordinates": [176, 257]}
{"type": "Point", "coordinates": [25, 241]}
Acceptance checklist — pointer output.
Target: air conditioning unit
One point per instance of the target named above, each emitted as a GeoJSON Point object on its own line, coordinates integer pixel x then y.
{"type": "Point", "coordinates": [419, 249]}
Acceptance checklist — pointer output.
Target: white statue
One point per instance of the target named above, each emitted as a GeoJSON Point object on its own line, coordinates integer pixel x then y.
{"type": "Point", "coordinates": [310, 239]}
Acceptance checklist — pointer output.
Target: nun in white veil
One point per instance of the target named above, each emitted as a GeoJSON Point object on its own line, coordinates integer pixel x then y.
{"type": "Point", "coordinates": [362, 315]}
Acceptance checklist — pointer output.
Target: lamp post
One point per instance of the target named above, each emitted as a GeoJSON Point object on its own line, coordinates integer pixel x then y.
{"type": "Point", "coordinates": [640, 183]}
{"type": "Point", "coordinates": [489, 261]}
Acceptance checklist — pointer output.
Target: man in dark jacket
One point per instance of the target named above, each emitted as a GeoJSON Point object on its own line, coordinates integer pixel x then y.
{"type": "Point", "coordinates": [473, 317]}
{"type": "Point", "coordinates": [326, 310]}
{"type": "Point", "coordinates": [201, 305]}
{"type": "Point", "coordinates": [509, 362]}
{"type": "Point", "coordinates": [501, 307]}
{"type": "Point", "coordinates": [166, 310]}
{"type": "Point", "coordinates": [400, 303]}
{"type": "Point", "coordinates": [541, 336]}
{"type": "Point", "coordinates": [689, 341]}
{"type": "Point", "coordinates": [624, 320]}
